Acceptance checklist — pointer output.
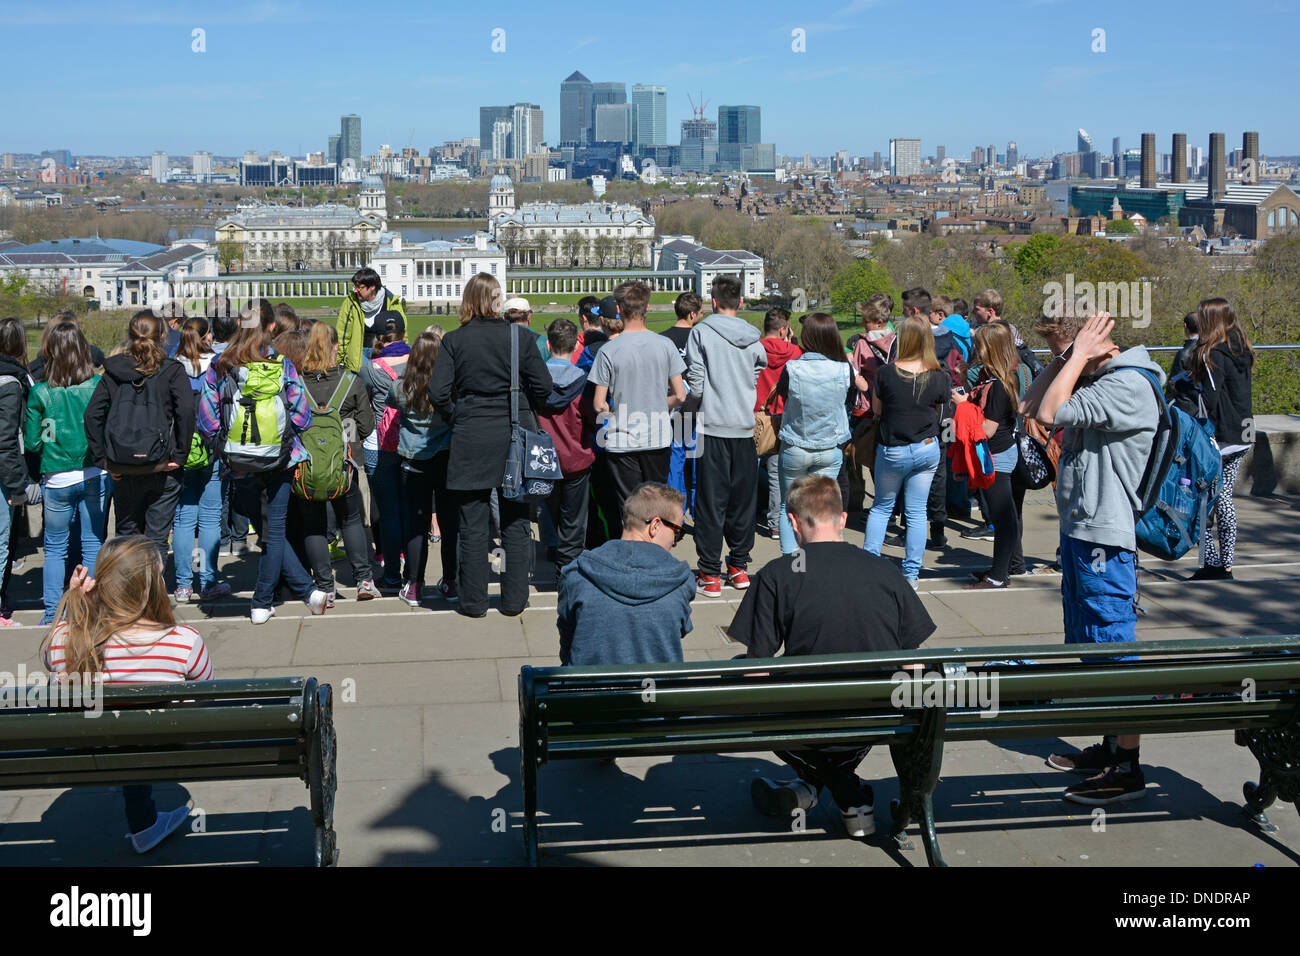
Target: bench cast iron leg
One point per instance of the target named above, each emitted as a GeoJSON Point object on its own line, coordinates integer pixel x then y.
{"type": "Point", "coordinates": [918, 760]}
{"type": "Point", "coordinates": [1278, 753]}
{"type": "Point", "coordinates": [322, 778]}
{"type": "Point", "coordinates": [528, 760]}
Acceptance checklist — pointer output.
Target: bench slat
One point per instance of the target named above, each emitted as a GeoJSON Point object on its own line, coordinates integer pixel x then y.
{"type": "Point", "coordinates": [49, 729]}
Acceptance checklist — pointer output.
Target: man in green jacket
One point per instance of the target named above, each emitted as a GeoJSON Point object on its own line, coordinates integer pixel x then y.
{"type": "Point", "coordinates": [365, 309]}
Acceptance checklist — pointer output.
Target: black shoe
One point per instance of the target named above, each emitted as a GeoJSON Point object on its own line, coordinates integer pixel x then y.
{"type": "Point", "coordinates": [1092, 759]}
{"type": "Point", "coordinates": [979, 533]}
{"type": "Point", "coordinates": [937, 540]}
{"type": "Point", "coordinates": [514, 613]}
{"type": "Point", "coordinates": [1211, 572]}
{"type": "Point", "coordinates": [460, 609]}
{"type": "Point", "coordinates": [1109, 787]}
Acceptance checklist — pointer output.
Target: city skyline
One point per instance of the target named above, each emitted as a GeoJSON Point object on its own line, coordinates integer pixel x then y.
{"type": "Point", "coordinates": [279, 76]}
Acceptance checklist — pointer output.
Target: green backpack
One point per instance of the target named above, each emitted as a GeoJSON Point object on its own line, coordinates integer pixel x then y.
{"type": "Point", "coordinates": [256, 434]}
{"type": "Point", "coordinates": [325, 474]}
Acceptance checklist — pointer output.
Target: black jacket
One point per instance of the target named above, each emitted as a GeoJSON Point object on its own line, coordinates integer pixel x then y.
{"type": "Point", "coordinates": [13, 409]}
{"type": "Point", "coordinates": [1183, 357]}
{"type": "Point", "coordinates": [470, 389]}
{"type": "Point", "coordinates": [1228, 399]}
{"type": "Point", "coordinates": [175, 387]}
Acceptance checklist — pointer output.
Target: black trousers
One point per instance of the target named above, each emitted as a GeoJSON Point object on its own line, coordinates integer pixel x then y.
{"type": "Point", "coordinates": [476, 539]}
{"type": "Point", "coordinates": [146, 504]}
{"type": "Point", "coordinates": [725, 501]}
{"type": "Point", "coordinates": [627, 469]}
{"type": "Point", "coordinates": [426, 494]}
{"type": "Point", "coordinates": [835, 769]}
{"type": "Point", "coordinates": [1006, 526]}
{"type": "Point", "coordinates": [313, 521]}
{"type": "Point", "coordinates": [1018, 552]}
{"type": "Point", "coordinates": [568, 507]}
{"type": "Point", "coordinates": [604, 512]}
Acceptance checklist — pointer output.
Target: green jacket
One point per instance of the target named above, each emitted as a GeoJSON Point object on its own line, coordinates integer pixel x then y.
{"type": "Point", "coordinates": [56, 425]}
{"type": "Point", "coordinates": [351, 326]}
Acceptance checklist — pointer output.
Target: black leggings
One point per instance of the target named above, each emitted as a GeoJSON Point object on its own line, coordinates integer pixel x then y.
{"type": "Point", "coordinates": [425, 482]}
{"type": "Point", "coordinates": [1006, 525]}
{"type": "Point", "coordinates": [313, 525]}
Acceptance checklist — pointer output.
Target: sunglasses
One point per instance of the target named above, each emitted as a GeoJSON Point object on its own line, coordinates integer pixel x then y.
{"type": "Point", "coordinates": [679, 531]}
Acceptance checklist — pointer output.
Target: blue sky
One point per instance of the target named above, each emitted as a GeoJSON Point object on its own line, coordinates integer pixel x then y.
{"type": "Point", "coordinates": [121, 78]}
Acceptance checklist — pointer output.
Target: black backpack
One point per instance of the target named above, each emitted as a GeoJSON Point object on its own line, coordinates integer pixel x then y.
{"type": "Point", "coordinates": [138, 430]}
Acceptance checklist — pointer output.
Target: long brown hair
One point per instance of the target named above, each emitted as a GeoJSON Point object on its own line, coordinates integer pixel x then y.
{"type": "Point", "coordinates": [67, 356]}
{"type": "Point", "coordinates": [143, 342]}
{"type": "Point", "coordinates": [1218, 325]}
{"type": "Point", "coordinates": [996, 347]}
{"type": "Point", "coordinates": [248, 344]}
{"type": "Point", "coordinates": [192, 347]}
{"type": "Point", "coordinates": [482, 299]}
{"type": "Point", "coordinates": [293, 346]}
{"type": "Point", "coordinates": [129, 590]}
{"type": "Point", "coordinates": [321, 340]}
{"type": "Point", "coordinates": [916, 341]}
{"type": "Point", "coordinates": [419, 369]}
{"type": "Point", "coordinates": [819, 334]}
{"type": "Point", "coordinates": [13, 340]}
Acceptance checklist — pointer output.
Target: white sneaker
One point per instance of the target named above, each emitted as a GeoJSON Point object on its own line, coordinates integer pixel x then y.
{"type": "Point", "coordinates": [260, 615]}
{"type": "Point", "coordinates": [859, 821]}
{"type": "Point", "coordinates": [317, 601]}
{"type": "Point", "coordinates": [163, 827]}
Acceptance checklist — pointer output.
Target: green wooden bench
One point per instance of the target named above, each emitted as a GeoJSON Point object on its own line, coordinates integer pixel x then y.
{"type": "Point", "coordinates": [1247, 685]}
{"type": "Point", "coordinates": [160, 733]}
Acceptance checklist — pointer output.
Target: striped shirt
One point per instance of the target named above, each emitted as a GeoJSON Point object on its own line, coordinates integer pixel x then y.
{"type": "Point", "coordinates": [168, 655]}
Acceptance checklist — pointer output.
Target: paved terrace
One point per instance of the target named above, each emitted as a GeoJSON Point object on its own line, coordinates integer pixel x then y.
{"type": "Point", "coordinates": [429, 760]}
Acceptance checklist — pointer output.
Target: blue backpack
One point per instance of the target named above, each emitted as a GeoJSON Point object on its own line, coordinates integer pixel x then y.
{"type": "Point", "coordinates": [1180, 484]}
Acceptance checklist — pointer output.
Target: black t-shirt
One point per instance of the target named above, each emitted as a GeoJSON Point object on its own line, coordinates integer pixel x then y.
{"type": "Point", "coordinates": [842, 600]}
{"type": "Point", "coordinates": [910, 404]}
{"type": "Point", "coordinates": [998, 408]}
{"type": "Point", "coordinates": [678, 336]}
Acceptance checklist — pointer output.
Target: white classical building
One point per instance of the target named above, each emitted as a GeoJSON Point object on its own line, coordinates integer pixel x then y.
{"type": "Point", "coordinates": [116, 272]}
{"type": "Point", "coordinates": [683, 254]}
{"type": "Point", "coordinates": [572, 236]}
{"type": "Point", "coordinates": [292, 238]}
{"type": "Point", "coordinates": [435, 272]}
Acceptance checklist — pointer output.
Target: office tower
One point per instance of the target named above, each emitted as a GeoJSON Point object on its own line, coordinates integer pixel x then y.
{"type": "Point", "coordinates": [1085, 144]}
{"type": "Point", "coordinates": [991, 157]}
{"type": "Point", "coordinates": [1250, 148]}
{"type": "Point", "coordinates": [977, 156]}
{"type": "Point", "coordinates": [940, 154]}
{"type": "Point", "coordinates": [350, 138]}
{"type": "Point", "coordinates": [62, 157]}
{"type": "Point", "coordinates": [875, 159]}
{"type": "Point", "coordinates": [7, 161]}
{"type": "Point", "coordinates": [158, 167]}
{"type": "Point", "coordinates": [332, 151]}
{"type": "Point", "coordinates": [201, 164]}
{"type": "Point", "coordinates": [905, 157]}
{"type": "Point", "coordinates": [1178, 158]}
{"type": "Point", "coordinates": [650, 104]}
{"type": "Point", "coordinates": [739, 124]}
{"type": "Point", "coordinates": [605, 94]}
{"type": "Point", "coordinates": [501, 138]}
{"type": "Point", "coordinates": [1218, 172]}
{"type": "Point", "coordinates": [698, 152]}
{"type": "Point", "coordinates": [1117, 155]}
{"type": "Point", "coordinates": [613, 123]}
{"type": "Point", "coordinates": [488, 117]}
{"type": "Point", "coordinates": [1013, 154]}
{"type": "Point", "coordinates": [1196, 160]}
{"type": "Point", "coordinates": [699, 131]}
{"type": "Point", "coordinates": [1148, 180]}
{"type": "Point", "coordinates": [526, 133]}
{"type": "Point", "coordinates": [575, 109]}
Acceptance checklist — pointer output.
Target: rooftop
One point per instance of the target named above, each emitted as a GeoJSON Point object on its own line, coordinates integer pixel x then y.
{"type": "Point", "coordinates": [553, 213]}
{"type": "Point", "coordinates": [327, 214]}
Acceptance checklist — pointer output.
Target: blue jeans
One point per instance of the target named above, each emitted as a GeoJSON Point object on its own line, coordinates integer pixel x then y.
{"type": "Point", "coordinates": [795, 462]}
{"type": "Point", "coordinates": [681, 466]}
{"type": "Point", "coordinates": [386, 485]}
{"type": "Point", "coordinates": [909, 468]}
{"type": "Point", "coordinates": [200, 506]}
{"type": "Point", "coordinates": [89, 500]}
{"type": "Point", "coordinates": [278, 556]}
{"type": "Point", "coordinates": [1098, 585]}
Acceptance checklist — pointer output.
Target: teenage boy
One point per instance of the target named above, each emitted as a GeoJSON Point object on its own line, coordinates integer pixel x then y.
{"type": "Point", "coordinates": [988, 308]}
{"type": "Point", "coordinates": [599, 324]}
{"type": "Point", "coordinates": [629, 601]}
{"type": "Point", "coordinates": [940, 313]}
{"type": "Point", "coordinates": [778, 343]}
{"type": "Point", "coordinates": [638, 379]}
{"type": "Point", "coordinates": [1109, 413]}
{"type": "Point", "coordinates": [723, 360]}
{"type": "Point", "coordinates": [681, 466]}
{"type": "Point", "coordinates": [586, 320]}
{"type": "Point", "coordinates": [563, 420]}
{"type": "Point", "coordinates": [829, 597]}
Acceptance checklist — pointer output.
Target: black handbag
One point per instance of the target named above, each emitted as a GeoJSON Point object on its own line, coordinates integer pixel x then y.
{"type": "Point", "coordinates": [532, 463]}
{"type": "Point", "coordinates": [1034, 469]}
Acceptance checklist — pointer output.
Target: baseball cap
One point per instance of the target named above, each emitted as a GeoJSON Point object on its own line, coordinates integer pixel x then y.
{"type": "Point", "coordinates": [608, 308]}
{"type": "Point", "coordinates": [392, 323]}
{"type": "Point", "coordinates": [518, 304]}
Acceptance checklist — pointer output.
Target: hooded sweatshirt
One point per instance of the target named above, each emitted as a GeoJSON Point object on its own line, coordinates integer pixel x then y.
{"type": "Point", "coordinates": [626, 602]}
{"type": "Point", "coordinates": [1109, 423]}
{"type": "Point", "coordinates": [778, 353]}
{"type": "Point", "coordinates": [173, 389]}
{"type": "Point", "coordinates": [563, 417]}
{"type": "Point", "coordinates": [724, 356]}
{"type": "Point", "coordinates": [870, 354]}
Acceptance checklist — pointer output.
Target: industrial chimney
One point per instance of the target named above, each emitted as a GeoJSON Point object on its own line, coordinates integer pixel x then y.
{"type": "Point", "coordinates": [1178, 161]}
{"type": "Point", "coordinates": [1250, 147]}
{"type": "Point", "coordinates": [1148, 180]}
{"type": "Point", "coordinates": [1218, 162]}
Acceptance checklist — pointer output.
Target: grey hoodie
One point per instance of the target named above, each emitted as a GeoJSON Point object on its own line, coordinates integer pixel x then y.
{"type": "Point", "coordinates": [1109, 422]}
{"type": "Point", "coordinates": [723, 359]}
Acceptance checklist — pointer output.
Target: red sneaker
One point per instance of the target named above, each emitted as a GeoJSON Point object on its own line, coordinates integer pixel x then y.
{"type": "Point", "coordinates": [710, 585]}
{"type": "Point", "coordinates": [737, 578]}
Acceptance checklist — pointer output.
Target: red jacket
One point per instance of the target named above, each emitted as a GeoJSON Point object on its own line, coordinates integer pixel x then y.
{"type": "Point", "coordinates": [778, 353]}
{"type": "Point", "coordinates": [968, 439]}
{"type": "Point", "coordinates": [567, 424]}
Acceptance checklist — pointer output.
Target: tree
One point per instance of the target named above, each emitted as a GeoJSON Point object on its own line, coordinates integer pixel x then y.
{"type": "Point", "coordinates": [228, 253]}
{"type": "Point", "coordinates": [509, 240]}
{"type": "Point", "coordinates": [543, 244]}
{"type": "Point", "coordinates": [573, 245]}
{"type": "Point", "coordinates": [858, 282]}
{"type": "Point", "coordinates": [1028, 256]}
{"type": "Point", "coordinates": [1120, 227]}
{"type": "Point", "coordinates": [603, 247]}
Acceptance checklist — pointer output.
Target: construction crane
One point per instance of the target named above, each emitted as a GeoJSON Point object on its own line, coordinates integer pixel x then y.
{"type": "Point", "coordinates": [697, 112]}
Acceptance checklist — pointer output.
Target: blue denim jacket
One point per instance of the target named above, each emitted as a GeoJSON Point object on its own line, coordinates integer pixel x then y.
{"type": "Point", "coordinates": [419, 437]}
{"type": "Point", "coordinates": [816, 415]}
